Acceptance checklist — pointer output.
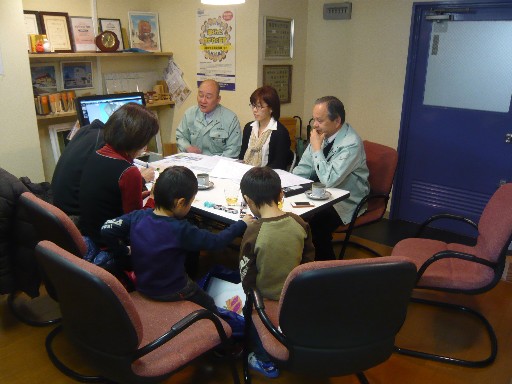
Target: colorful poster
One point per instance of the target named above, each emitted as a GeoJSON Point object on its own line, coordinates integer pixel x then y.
{"type": "Point", "coordinates": [216, 49]}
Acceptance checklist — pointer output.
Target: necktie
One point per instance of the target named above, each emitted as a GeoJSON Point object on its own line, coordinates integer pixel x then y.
{"type": "Point", "coordinates": [327, 148]}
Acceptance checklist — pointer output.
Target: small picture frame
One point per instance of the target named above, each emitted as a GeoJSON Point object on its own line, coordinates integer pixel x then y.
{"type": "Point", "coordinates": [56, 26]}
{"type": "Point", "coordinates": [58, 137]}
{"type": "Point", "coordinates": [83, 34]}
{"type": "Point", "coordinates": [144, 31]}
{"type": "Point", "coordinates": [279, 77]}
{"type": "Point", "coordinates": [44, 78]}
{"type": "Point", "coordinates": [32, 25]}
{"type": "Point", "coordinates": [113, 25]}
{"type": "Point", "coordinates": [278, 38]}
{"type": "Point", "coordinates": [77, 74]}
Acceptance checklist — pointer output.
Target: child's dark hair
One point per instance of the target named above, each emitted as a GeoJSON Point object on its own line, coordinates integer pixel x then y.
{"type": "Point", "coordinates": [262, 185]}
{"type": "Point", "coordinates": [174, 183]}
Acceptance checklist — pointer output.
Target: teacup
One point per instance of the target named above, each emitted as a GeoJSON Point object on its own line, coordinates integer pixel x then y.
{"type": "Point", "coordinates": [203, 180]}
{"type": "Point", "coordinates": [318, 189]}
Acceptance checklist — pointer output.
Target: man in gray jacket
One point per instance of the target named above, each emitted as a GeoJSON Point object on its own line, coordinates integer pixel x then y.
{"type": "Point", "coordinates": [208, 127]}
{"type": "Point", "coordinates": [335, 157]}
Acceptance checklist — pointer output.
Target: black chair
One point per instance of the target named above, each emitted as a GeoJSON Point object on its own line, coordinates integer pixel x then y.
{"type": "Point", "coordinates": [335, 317]}
{"type": "Point", "coordinates": [125, 336]}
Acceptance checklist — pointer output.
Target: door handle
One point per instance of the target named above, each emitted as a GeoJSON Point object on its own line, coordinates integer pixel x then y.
{"type": "Point", "coordinates": [508, 138]}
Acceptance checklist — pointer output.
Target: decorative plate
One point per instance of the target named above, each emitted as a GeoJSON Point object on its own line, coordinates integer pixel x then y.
{"type": "Point", "coordinates": [326, 195]}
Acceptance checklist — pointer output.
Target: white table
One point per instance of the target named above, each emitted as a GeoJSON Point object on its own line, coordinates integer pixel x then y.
{"type": "Point", "coordinates": [215, 195]}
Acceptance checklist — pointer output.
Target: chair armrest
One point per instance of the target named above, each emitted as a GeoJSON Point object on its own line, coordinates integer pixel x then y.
{"type": "Point", "coordinates": [179, 327]}
{"type": "Point", "coordinates": [362, 204]}
{"type": "Point", "coordinates": [452, 255]}
{"type": "Point", "coordinates": [450, 216]}
{"type": "Point", "coordinates": [260, 308]}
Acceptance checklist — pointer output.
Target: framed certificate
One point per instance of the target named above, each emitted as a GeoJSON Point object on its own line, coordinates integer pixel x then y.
{"type": "Point", "coordinates": [83, 33]}
{"type": "Point", "coordinates": [113, 25]}
{"type": "Point", "coordinates": [279, 77]}
{"type": "Point", "coordinates": [278, 38]}
{"type": "Point", "coordinates": [56, 26]}
{"type": "Point", "coordinates": [32, 26]}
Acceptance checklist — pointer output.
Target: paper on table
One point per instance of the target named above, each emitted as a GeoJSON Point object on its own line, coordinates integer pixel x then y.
{"type": "Point", "coordinates": [225, 169]}
{"type": "Point", "coordinates": [289, 179]}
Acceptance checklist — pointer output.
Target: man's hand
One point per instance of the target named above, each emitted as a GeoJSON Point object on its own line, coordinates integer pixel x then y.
{"type": "Point", "coordinates": [148, 174]}
{"type": "Point", "coordinates": [193, 149]}
{"type": "Point", "coordinates": [316, 139]}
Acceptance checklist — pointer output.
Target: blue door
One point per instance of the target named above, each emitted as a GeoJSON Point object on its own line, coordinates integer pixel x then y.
{"type": "Point", "coordinates": [455, 145]}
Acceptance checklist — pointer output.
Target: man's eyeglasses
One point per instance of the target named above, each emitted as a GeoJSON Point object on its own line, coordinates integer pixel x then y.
{"type": "Point", "coordinates": [257, 106]}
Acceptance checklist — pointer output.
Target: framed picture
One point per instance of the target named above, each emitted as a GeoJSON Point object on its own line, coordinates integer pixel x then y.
{"type": "Point", "coordinates": [58, 137]}
{"type": "Point", "coordinates": [44, 78]}
{"type": "Point", "coordinates": [83, 34]}
{"type": "Point", "coordinates": [279, 77]}
{"type": "Point", "coordinates": [113, 25]}
{"type": "Point", "coordinates": [76, 74]}
{"type": "Point", "coordinates": [278, 38]}
{"type": "Point", "coordinates": [56, 26]}
{"type": "Point", "coordinates": [32, 25]}
{"type": "Point", "coordinates": [144, 31]}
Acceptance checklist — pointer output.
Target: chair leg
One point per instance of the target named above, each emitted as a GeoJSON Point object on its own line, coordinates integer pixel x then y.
{"type": "Point", "coordinates": [451, 360]}
{"type": "Point", "coordinates": [63, 368]}
{"type": "Point", "coordinates": [247, 331]}
{"type": "Point", "coordinates": [35, 323]}
{"type": "Point", "coordinates": [362, 378]}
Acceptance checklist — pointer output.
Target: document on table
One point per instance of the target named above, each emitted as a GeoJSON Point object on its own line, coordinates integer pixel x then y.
{"type": "Point", "coordinates": [233, 170]}
{"type": "Point", "coordinates": [196, 162]}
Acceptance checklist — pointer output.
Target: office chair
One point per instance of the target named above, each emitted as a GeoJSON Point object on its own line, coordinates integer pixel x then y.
{"type": "Point", "coordinates": [381, 161]}
{"type": "Point", "coordinates": [457, 268]}
{"type": "Point", "coordinates": [291, 125]}
{"type": "Point", "coordinates": [125, 336]}
{"type": "Point", "coordinates": [335, 317]}
{"type": "Point", "coordinates": [53, 224]}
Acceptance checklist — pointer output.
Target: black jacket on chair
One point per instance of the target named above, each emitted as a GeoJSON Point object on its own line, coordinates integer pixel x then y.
{"type": "Point", "coordinates": [18, 268]}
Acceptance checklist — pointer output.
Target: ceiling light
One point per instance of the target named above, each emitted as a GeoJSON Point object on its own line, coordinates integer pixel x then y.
{"type": "Point", "coordinates": [222, 2]}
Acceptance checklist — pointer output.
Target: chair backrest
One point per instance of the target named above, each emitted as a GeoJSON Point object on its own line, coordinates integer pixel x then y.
{"type": "Point", "coordinates": [291, 125]}
{"type": "Point", "coordinates": [381, 161]}
{"type": "Point", "coordinates": [342, 316]}
{"type": "Point", "coordinates": [495, 226]}
{"type": "Point", "coordinates": [97, 311]}
{"type": "Point", "coordinates": [53, 224]}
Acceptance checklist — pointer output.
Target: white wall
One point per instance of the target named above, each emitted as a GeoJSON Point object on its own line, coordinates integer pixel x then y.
{"type": "Point", "coordinates": [20, 153]}
{"type": "Point", "coordinates": [362, 61]}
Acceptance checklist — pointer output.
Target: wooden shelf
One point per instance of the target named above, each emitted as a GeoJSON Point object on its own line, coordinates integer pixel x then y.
{"type": "Point", "coordinates": [95, 54]}
{"type": "Point", "coordinates": [155, 104]}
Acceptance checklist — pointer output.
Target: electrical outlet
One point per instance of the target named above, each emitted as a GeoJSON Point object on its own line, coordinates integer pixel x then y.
{"type": "Point", "coordinates": [338, 11]}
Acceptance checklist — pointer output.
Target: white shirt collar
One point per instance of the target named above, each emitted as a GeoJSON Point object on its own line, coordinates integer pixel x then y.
{"type": "Point", "coordinates": [272, 124]}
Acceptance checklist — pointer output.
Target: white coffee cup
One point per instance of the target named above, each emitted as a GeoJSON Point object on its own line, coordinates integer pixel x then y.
{"type": "Point", "coordinates": [203, 179]}
{"type": "Point", "coordinates": [318, 189]}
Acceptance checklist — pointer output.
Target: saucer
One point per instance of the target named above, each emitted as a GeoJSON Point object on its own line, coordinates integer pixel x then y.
{"type": "Point", "coordinates": [205, 187]}
{"type": "Point", "coordinates": [326, 195]}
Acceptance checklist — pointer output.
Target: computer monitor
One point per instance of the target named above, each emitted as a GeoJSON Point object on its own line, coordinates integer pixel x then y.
{"type": "Point", "coordinates": [90, 108]}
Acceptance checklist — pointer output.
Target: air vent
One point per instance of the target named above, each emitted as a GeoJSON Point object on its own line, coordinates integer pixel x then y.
{"type": "Point", "coordinates": [338, 11]}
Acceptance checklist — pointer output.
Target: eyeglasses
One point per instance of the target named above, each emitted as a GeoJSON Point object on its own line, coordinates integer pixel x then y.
{"type": "Point", "coordinates": [257, 106]}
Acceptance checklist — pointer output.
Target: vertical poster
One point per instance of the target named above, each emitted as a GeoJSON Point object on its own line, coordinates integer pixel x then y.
{"type": "Point", "coordinates": [216, 49]}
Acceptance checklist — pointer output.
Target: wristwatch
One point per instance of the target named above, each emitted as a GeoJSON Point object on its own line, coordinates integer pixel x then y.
{"type": "Point", "coordinates": [107, 41]}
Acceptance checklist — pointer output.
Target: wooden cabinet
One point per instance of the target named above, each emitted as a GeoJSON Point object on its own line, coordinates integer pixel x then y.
{"type": "Point", "coordinates": [102, 62]}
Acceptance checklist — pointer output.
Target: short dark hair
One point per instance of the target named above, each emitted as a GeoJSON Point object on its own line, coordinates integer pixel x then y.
{"type": "Point", "coordinates": [130, 128]}
{"type": "Point", "coordinates": [262, 185]}
{"type": "Point", "coordinates": [174, 183]}
{"type": "Point", "coordinates": [269, 95]}
{"type": "Point", "coordinates": [335, 107]}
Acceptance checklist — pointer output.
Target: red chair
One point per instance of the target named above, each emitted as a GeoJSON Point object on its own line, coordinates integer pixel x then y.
{"type": "Point", "coordinates": [125, 336]}
{"type": "Point", "coordinates": [459, 268]}
{"type": "Point", "coordinates": [334, 318]}
{"type": "Point", "coordinates": [381, 161]}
